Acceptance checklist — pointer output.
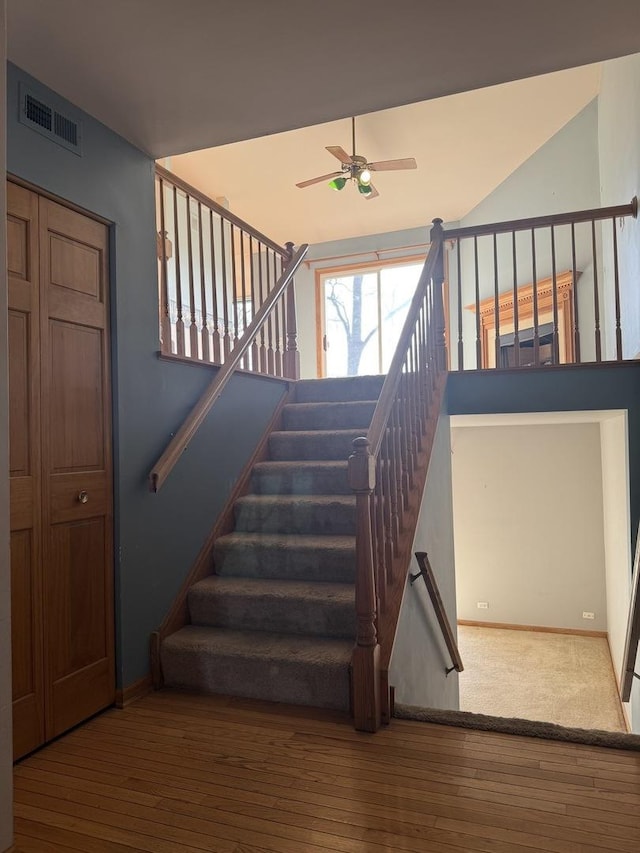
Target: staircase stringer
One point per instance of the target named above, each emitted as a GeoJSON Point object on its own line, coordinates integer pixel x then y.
{"type": "Point", "coordinates": [203, 566]}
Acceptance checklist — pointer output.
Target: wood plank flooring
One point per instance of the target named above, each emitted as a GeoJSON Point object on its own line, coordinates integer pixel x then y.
{"type": "Point", "coordinates": [177, 773]}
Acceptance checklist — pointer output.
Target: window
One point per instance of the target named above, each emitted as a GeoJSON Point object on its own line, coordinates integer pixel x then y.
{"type": "Point", "coordinates": [362, 312]}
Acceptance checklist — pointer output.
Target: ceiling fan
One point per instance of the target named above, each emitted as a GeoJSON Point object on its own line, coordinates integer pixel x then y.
{"type": "Point", "coordinates": [356, 168]}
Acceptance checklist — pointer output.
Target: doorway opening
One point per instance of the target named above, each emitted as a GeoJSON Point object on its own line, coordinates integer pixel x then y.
{"type": "Point", "coordinates": [543, 565]}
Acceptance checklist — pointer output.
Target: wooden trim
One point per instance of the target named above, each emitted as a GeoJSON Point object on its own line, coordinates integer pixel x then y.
{"type": "Point", "coordinates": [544, 629]}
{"type": "Point", "coordinates": [178, 614]}
{"type": "Point", "coordinates": [180, 441]}
{"type": "Point", "coordinates": [564, 287]}
{"type": "Point", "coordinates": [197, 195]}
{"type": "Point", "coordinates": [34, 188]}
{"type": "Point", "coordinates": [126, 695]}
{"type": "Point", "coordinates": [595, 214]}
{"type": "Point", "coordinates": [320, 272]}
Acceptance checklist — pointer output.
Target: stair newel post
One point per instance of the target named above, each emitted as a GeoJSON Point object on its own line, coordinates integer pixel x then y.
{"type": "Point", "coordinates": [292, 355]}
{"type": "Point", "coordinates": [437, 238]}
{"type": "Point", "coordinates": [366, 654]}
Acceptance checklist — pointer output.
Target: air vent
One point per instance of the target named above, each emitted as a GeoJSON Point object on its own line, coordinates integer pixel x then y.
{"type": "Point", "coordinates": [46, 119]}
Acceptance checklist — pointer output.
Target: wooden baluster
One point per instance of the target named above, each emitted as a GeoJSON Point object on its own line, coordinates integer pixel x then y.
{"type": "Point", "coordinates": [536, 318]}
{"type": "Point", "coordinates": [255, 352]}
{"type": "Point", "coordinates": [516, 330]}
{"type": "Point", "coordinates": [479, 359]}
{"type": "Point", "coordinates": [292, 368]}
{"type": "Point", "coordinates": [214, 294]}
{"type": "Point", "coordinates": [413, 398]}
{"type": "Point", "coordinates": [407, 434]}
{"type": "Point", "coordinates": [243, 291]}
{"type": "Point", "coordinates": [263, 350]}
{"type": "Point", "coordinates": [270, 353]}
{"type": "Point", "coordinates": [437, 237]}
{"type": "Point", "coordinates": [204, 332]}
{"type": "Point", "coordinates": [193, 326]}
{"type": "Point", "coordinates": [376, 505]}
{"type": "Point", "coordinates": [234, 285]}
{"type": "Point", "coordinates": [366, 654]}
{"type": "Point", "coordinates": [576, 321]}
{"type": "Point", "coordinates": [389, 533]}
{"type": "Point", "coordinates": [616, 290]}
{"type": "Point", "coordinates": [165, 319]}
{"type": "Point", "coordinates": [496, 305]}
{"type": "Point", "coordinates": [395, 475]}
{"type": "Point", "coordinates": [555, 349]}
{"type": "Point", "coordinates": [180, 350]}
{"type": "Point", "coordinates": [226, 339]}
{"type": "Point", "coordinates": [277, 360]}
{"type": "Point", "coordinates": [596, 295]}
{"type": "Point", "coordinates": [460, 338]}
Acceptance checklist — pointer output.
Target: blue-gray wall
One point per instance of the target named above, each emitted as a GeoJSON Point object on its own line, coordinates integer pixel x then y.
{"type": "Point", "coordinates": [157, 536]}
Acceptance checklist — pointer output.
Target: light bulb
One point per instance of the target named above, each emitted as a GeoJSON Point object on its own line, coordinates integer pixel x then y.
{"type": "Point", "coordinates": [364, 177]}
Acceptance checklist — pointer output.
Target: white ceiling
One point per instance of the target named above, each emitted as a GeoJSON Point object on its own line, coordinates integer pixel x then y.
{"type": "Point", "coordinates": [177, 76]}
{"type": "Point", "coordinates": [465, 145]}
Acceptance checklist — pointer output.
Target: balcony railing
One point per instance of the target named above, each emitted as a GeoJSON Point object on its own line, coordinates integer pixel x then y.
{"type": "Point", "coordinates": [538, 292]}
{"type": "Point", "coordinates": [215, 273]}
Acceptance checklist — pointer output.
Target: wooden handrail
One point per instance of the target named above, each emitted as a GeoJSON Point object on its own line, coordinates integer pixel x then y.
{"type": "Point", "coordinates": [196, 195]}
{"type": "Point", "coordinates": [574, 217]}
{"type": "Point", "coordinates": [426, 573]}
{"type": "Point", "coordinates": [632, 640]}
{"type": "Point", "coordinates": [184, 435]}
{"type": "Point", "coordinates": [386, 399]}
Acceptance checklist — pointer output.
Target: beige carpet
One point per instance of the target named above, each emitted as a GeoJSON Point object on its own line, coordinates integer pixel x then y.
{"type": "Point", "coordinates": [556, 678]}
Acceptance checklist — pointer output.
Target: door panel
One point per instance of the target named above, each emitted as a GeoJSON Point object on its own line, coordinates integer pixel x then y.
{"type": "Point", "coordinates": [77, 482]}
{"type": "Point", "coordinates": [24, 464]}
{"type": "Point", "coordinates": [60, 464]}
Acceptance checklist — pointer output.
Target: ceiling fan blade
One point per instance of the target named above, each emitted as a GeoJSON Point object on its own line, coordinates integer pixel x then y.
{"type": "Point", "coordinates": [340, 153]}
{"type": "Point", "coordinates": [373, 194]}
{"type": "Point", "coordinates": [392, 165]}
{"type": "Point", "coordinates": [328, 177]}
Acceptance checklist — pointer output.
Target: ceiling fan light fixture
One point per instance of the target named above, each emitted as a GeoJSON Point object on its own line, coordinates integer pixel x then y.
{"type": "Point", "coordinates": [365, 189]}
{"type": "Point", "coordinates": [337, 183]}
{"type": "Point", "coordinates": [364, 177]}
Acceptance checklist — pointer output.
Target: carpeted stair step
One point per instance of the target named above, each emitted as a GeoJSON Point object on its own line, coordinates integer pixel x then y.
{"type": "Point", "coordinates": [339, 390]}
{"type": "Point", "coordinates": [280, 607]}
{"type": "Point", "coordinates": [275, 667]}
{"type": "Point", "coordinates": [286, 557]}
{"type": "Point", "coordinates": [323, 477]}
{"type": "Point", "coordinates": [308, 416]}
{"type": "Point", "coordinates": [320, 514]}
{"type": "Point", "coordinates": [313, 444]}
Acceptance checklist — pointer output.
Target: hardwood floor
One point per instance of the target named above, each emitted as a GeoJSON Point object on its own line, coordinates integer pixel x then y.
{"type": "Point", "coordinates": [176, 773]}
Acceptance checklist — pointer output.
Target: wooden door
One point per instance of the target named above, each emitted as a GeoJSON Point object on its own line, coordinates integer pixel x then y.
{"type": "Point", "coordinates": [24, 469]}
{"type": "Point", "coordinates": [71, 641]}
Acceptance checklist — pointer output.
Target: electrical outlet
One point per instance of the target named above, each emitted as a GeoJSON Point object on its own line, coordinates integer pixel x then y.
{"type": "Point", "coordinates": [586, 614]}
{"type": "Point", "coordinates": [483, 605]}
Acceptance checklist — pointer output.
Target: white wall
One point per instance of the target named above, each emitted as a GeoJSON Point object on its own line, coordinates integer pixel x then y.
{"type": "Point", "coordinates": [340, 253]}
{"type": "Point", "coordinates": [6, 746]}
{"type": "Point", "coordinates": [619, 150]}
{"type": "Point", "coordinates": [528, 524]}
{"type": "Point", "coordinates": [420, 658]}
{"type": "Point", "coordinates": [617, 533]}
{"type": "Point", "coordinates": [561, 176]}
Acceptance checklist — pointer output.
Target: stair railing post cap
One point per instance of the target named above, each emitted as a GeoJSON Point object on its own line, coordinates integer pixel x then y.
{"type": "Point", "coordinates": [362, 466]}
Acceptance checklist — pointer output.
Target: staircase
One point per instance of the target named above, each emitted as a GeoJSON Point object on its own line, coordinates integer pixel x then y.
{"type": "Point", "coordinates": [277, 620]}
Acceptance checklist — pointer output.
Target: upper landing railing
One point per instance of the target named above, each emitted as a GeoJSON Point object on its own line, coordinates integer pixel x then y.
{"type": "Point", "coordinates": [215, 272]}
{"type": "Point", "coordinates": [536, 292]}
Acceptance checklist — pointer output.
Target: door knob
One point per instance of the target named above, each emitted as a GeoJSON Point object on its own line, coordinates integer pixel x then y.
{"type": "Point", "coordinates": [83, 497]}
